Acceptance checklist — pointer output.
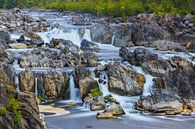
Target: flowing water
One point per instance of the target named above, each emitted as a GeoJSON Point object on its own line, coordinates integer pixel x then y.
{"type": "Point", "coordinates": [82, 118]}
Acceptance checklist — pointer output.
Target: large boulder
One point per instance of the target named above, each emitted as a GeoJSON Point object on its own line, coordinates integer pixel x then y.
{"type": "Point", "coordinates": [87, 45]}
{"type": "Point", "coordinates": [55, 85]}
{"type": "Point", "coordinates": [115, 110]}
{"type": "Point", "coordinates": [30, 116]}
{"type": "Point", "coordinates": [124, 80]}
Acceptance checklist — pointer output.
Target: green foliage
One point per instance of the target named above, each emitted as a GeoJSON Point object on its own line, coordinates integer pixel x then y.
{"type": "Point", "coordinates": [120, 8]}
{"type": "Point", "coordinates": [14, 107]}
{"type": "Point", "coordinates": [106, 7]}
{"type": "Point", "coordinates": [96, 92]}
{"type": "Point", "coordinates": [3, 110]}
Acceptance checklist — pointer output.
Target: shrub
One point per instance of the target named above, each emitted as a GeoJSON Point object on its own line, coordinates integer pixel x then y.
{"type": "Point", "coordinates": [3, 110]}
{"type": "Point", "coordinates": [14, 107]}
{"type": "Point", "coordinates": [96, 92]}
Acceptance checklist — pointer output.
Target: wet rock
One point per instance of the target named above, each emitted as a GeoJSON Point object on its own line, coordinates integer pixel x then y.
{"type": "Point", "coordinates": [18, 46]}
{"type": "Point", "coordinates": [84, 85]}
{"type": "Point", "coordinates": [186, 112]}
{"type": "Point", "coordinates": [27, 81]}
{"type": "Point", "coordinates": [165, 45]}
{"type": "Point", "coordinates": [89, 59]}
{"type": "Point", "coordinates": [6, 57]}
{"type": "Point", "coordinates": [96, 106]}
{"type": "Point", "coordinates": [65, 45]}
{"type": "Point", "coordinates": [32, 36]}
{"type": "Point", "coordinates": [4, 38]}
{"type": "Point", "coordinates": [104, 115]}
{"type": "Point", "coordinates": [55, 85]}
{"type": "Point", "coordinates": [101, 33]}
{"type": "Point", "coordinates": [115, 110]}
{"type": "Point", "coordinates": [81, 21]}
{"type": "Point", "coordinates": [168, 107]}
{"type": "Point", "coordinates": [124, 81]}
{"type": "Point", "coordinates": [86, 45]}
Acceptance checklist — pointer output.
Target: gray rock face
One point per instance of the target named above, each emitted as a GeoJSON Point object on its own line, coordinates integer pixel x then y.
{"type": "Point", "coordinates": [18, 22]}
{"type": "Point", "coordinates": [4, 38]}
{"type": "Point", "coordinates": [101, 33]}
{"type": "Point", "coordinates": [86, 45]}
{"type": "Point", "coordinates": [51, 85]}
{"type": "Point", "coordinates": [176, 72]}
{"type": "Point", "coordinates": [124, 81]}
{"type": "Point", "coordinates": [173, 83]}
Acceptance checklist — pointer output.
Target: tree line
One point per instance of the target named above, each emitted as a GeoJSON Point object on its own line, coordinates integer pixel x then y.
{"type": "Point", "coordinates": [108, 7]}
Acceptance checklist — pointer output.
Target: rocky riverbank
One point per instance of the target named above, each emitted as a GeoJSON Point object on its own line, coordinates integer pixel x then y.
{"type": "Point", "coordinates": [101, 61]}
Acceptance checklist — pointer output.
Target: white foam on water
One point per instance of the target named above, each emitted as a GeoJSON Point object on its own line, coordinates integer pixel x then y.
{"type": "Point", "coordinates": [55, 33]}
{"type": "Point", "coordinates": [148, 80]}
{"type": "Point", "coordinates": [113, 39]}
{"type": "Point", "coordinates": [87, 35]}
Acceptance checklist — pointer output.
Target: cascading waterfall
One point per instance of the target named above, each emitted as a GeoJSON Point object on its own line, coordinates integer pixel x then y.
{"type": "Point", "coordinates": [42, 90]}
{"type": "Point", "coordinates": [73, 89]}
{"type": "Point", "coordinates": [36, 88]}
{"type": "Point", "coordinates": [104, 84]}
{"type": "Point", "coordinates": [17, 82]}
{"type": "Point", "coordinates": [113, 39]}
{"type": "Point", "coordinates": [149, 81]}
{"type": "Point", "coordinates": [87, 35]}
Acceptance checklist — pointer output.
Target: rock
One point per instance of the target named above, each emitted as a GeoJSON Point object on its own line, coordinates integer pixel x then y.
{"type": "Point", "coordinates": [55, 84]}
{"type": "Point", "coordinates": [101, 33]}
{"type": "Point", "coordinates": [4, 36]}
{"type": "Point", "coordinates": [115, 110]}
{"type": "Point", "coordinates": [192, 104]}
{"type": "Point", "coordinates": [104, 115]}
{"type": "Point", "coordinates": [18, 46]}
{"type": "Point", "coordinates": [27, 81]}
{"type": "Point", "coordinates": [186, 112]}
{"type": "Point", "coordinates": [173, 107]}
{"type": "Point", "coordinates": [89, 59]}
{"type": "Point", "coordinates": [6, 57]}
{"type": "Point", "coordinates": [165, 45]}
{"type": "Point", "coordinates": [65, 45]}
{"type": "Point", "coordinates": [85, 86]}
{"type": "Point", "coordinates": [21, 39]}
{"type": "Point", "coordinates": [81, 21]}
{"type": "Point", "coordinates": [32, 36]}
{"type": "Point", "coordinates": [96, 106]}
{"type": "Point", "coordinates": [124, 81]}
{"type": "Point", "coordinates": [175, 72]}
{"type": "Point", "coordinates": [29, 111]}
{"type": "Point", "coordinates": [86, 45]}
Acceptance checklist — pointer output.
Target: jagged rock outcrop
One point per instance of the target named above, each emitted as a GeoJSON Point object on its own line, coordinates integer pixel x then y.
{"type": "Point", "coordinates": [51, 85]}
{"type": "Point", "coordinates": [90, 46]}
{"type": "Point", "coordinates": [16, 21]}
{"type": "Point", "coordinates": [124, 81]}
{"type": "Point", "coordinates": [18, 110]}
{"type": "Point", "coordinates": [174, 77]}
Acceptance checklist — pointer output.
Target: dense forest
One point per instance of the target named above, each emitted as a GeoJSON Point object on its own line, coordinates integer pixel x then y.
{"type": "Point", "coordinates": [108, 7]}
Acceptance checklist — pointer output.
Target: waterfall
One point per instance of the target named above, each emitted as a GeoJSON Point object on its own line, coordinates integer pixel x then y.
{"type": "Point", "coordinates": [87, 35]}
{"type": "Point", "coordinates": [113, 39]}
{"type": "Point", "coordinates": [104, 84]}
{"type": "Point", "coordinates": [36, 88]}
{"type": "Point", "coordinates": [73, 90]}
{"type": "Point", "coordinates": [17, 83]}
{"type": "Point", "coordinates": [149, 81]}
{"type": "Point", "coordinates": [71, 35]}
